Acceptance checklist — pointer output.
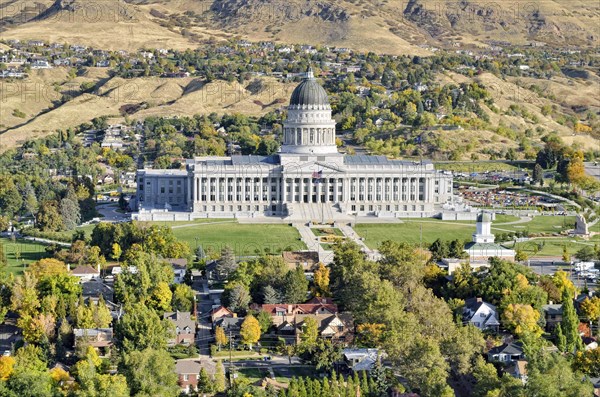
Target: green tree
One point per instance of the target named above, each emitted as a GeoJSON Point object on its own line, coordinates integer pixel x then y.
{"type": "Point", "coordinates": [48, 217]}
{"type": "Point", "coordinates": [310, 333]}
{"type": "Point", "coordinates": [227, 263]}
{"type": "Point", "coordinates": [570, 324]}
{"type": "Point", "coordinates": [205, 383]}
{"type": "Point", "coordinates": [219, 385]}
{"type": "Point", "coordinates": [295, 286]}
{"type": "Point", "coordinates": [141, 328]}
{"type": "Point", "coordinates": [70, 212]}
{"type": "Point", "coordinates": [161, 297]}
{"type": "Point", "coordinates": [250, 331]}
{"type": "Point", "coordinates": [183, 298]}
{"type": "Point", "coordinates": [265, 321]}
{"type": "Point", "coordinates": [586, 254]}
{"type": "Point", "coordinates": [150, 372]}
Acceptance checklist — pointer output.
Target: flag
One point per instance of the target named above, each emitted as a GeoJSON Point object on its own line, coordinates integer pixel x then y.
{"type": "Point", "coordinates": [316, 175]}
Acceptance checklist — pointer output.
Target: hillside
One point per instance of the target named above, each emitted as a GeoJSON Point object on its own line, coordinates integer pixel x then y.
{"type": "Point", "coordinates": [388, 26]}
{"type": "Point", "coordinates": [138, 98]}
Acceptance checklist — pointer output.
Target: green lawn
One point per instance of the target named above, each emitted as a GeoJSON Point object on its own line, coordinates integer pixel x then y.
{"type": "Point", "coordinates": [552, 246]}
{"type": "Point", "coordinates": [26, 251]}
{"type": "Point", "coordinates": [432, 229]}
{"type": "Point", "coordinates": [410, 232]}
{"type": "Point", "coordinates": [285, 374]}
{"type": "Point", "coordinates": [253, 375]}
{"type": "Point", "coordinates": [245, 239]}
{"type": "Point", "coordinates": [541, 224]}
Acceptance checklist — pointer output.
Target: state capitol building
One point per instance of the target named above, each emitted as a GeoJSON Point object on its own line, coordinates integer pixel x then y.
{"type": "Point", "coordinates": [307, 180]}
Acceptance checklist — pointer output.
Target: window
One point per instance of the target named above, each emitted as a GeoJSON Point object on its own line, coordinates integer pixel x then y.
{"type": "Point", "coordinates": [186, 377]}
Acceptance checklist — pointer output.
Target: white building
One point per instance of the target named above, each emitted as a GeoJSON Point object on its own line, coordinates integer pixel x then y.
{"type": "Point", "coordinates": [481, 314]}
{"type": "Point", "coordinates": [307, 180]}
{"type": "Point", "coordinates": [483, 246]}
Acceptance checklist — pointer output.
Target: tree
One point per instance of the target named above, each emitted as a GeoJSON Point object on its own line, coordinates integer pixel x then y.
{"type": "Point", "coordinates": [250, 331]}
{"type": "Point", "coordinates": [227, 263]}
{"type": "Point", "coordinates": [70, 213]}
{"type": "Point", "coordinates": [522, 319]}
{"type": "Point", "coordinates": [236, 297]}
{"type": "Point", "coordinates": [219, 386]}
{"type": "Point", "coordinates": [566, 256]}
{"type": "Point", "coordinates": [150, 372]}
{"type": "Point", "coordinates": [48, 217]}
{"type": "Point", "coordinates": [183, 298]}
{"type": "Point", "coordinates": [561, 341]}
{"type": "Point", "coordinates": [271, 295]}
{"type": "Point", "coordinates": [141, 328]}
{"type": "Point", "coordinates": [563, 283]}
{"type": "Point", "coordinates": [295, 286]}
{"type": "Point", "coordinates": [520, 255]}
{"type": "Point", "coordinates": [6, 367]}
{"type": "Point", "coordinates": [590, 308]}
{"type": "Point", "coordinates": [265, 321]}
{"type": "Point", "coordinates": [570, 324]}
{"type": "Point", "coordinates": [370, 334]}
{"type": "Point", "coordinates": [585, 254]}
{"type": "Point", "coordinates": [205, 384]}
{"type": "Point", "coordinates": [10, 198]}
{"type": "Point", "coordinates": [220, 337]}
{"type": "Point", "coordinates": [161, 297]}
{"type": "Point", "coordinates": [321, 280]}
{"type": "Point", "coordinates": [310, 333]}
{"type": "Point", "coordinates": [588, 362]}
{"type": "Point", "coordinates": [116, 252]}
{"type": "Point", "coordinates": [538, 174]}
{"type": "Point", "coordinates": [30, 376]}
{"type": "Point", "coordinates": [439, 250]}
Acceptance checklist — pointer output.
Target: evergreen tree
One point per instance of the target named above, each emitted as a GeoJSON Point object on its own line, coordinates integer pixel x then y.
{"type": "Point", "coordinates": [570, 323]}
{"type": "Point", "coordinates": [364, 384]}
{"type": "Point", "coordinates": [271, 295]}
{"type": "Point", "coordinates": [295, 286]}
{"type": "Point", "coordinates": [205, 384]}
{"type": "Point", "coordinates": [326, 390]}
{"type": "Point", "coordinates": [219, 385]}
{"type": "Point", "coordinates": [561, 341]}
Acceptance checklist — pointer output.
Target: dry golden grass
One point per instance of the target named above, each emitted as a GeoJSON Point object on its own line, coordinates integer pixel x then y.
{"type": "Point", "coordinates": [163, 97]}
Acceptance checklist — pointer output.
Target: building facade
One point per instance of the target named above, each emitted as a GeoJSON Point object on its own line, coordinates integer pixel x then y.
{"type": "Point", "coordinates": [308, 179]}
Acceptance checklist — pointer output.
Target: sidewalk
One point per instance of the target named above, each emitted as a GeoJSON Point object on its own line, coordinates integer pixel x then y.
{"type": "Point", "coordinates": [312, 243]}
{"type": "Point", "coordinates": [351, 234]}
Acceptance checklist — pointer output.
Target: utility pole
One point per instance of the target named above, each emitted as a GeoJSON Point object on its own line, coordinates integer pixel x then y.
{"type": "Point", "coordinates": [231, 377]}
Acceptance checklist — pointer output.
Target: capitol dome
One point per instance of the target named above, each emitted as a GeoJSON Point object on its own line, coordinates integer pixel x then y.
{"type": "Point", "coordinates": [309, 94]}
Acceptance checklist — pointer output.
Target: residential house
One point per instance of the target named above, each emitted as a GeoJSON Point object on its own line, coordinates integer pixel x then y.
{"type": "Point", "coordinates": [99, 338]}
{"type": "Point", "coordinates": [188, 372]}
{"type": "Point", "coordinates": [339, 327]}
{"type": "Point", "coordinates": [309, 260]}
{"type": "Point", "coordinates": [360, 359]}
{"type": "Point", "coordinates": [507, 353]}
{"type": "Point", "coordinates": [589, 343]}
{"type": "Point", "coordinates": [553, 315]}
{"type": "Point", "coordinates": [283, 312]}
{"type": "Point", "coordinates": [185, 328]}
{"type": "Point", "coordinates": [95, 288]}
{"type": "Point", "coordinates": [220, 312]}
{"type": "Point", "coordinates": [179, 266]}
{"type": "Point", "coordinates": [481, 314]}
{"type": "Point", "coordinates": [231, 325]}
{"type": "Point", "coordinates": [518, 369]}
{"type": "Point", "coordinates": [86, 272]}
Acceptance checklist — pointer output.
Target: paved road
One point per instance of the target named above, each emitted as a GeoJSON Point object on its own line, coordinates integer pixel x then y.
{"type": "Point", "coordinates": [550, 265]}
{"type": "Point", "coordinates": [593, 169]}
{"type": "Point", "coordinates": [110, 214]}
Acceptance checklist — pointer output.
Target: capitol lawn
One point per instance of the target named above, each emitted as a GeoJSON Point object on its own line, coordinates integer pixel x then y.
{"type": "Point", "coordinates": [431, 229]}
{"type": "Point", "coordinates": [245, 239]}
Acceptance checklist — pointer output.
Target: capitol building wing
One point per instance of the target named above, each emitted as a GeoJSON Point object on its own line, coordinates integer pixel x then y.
{"type": "Point", "coordinates": [307, 180]}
